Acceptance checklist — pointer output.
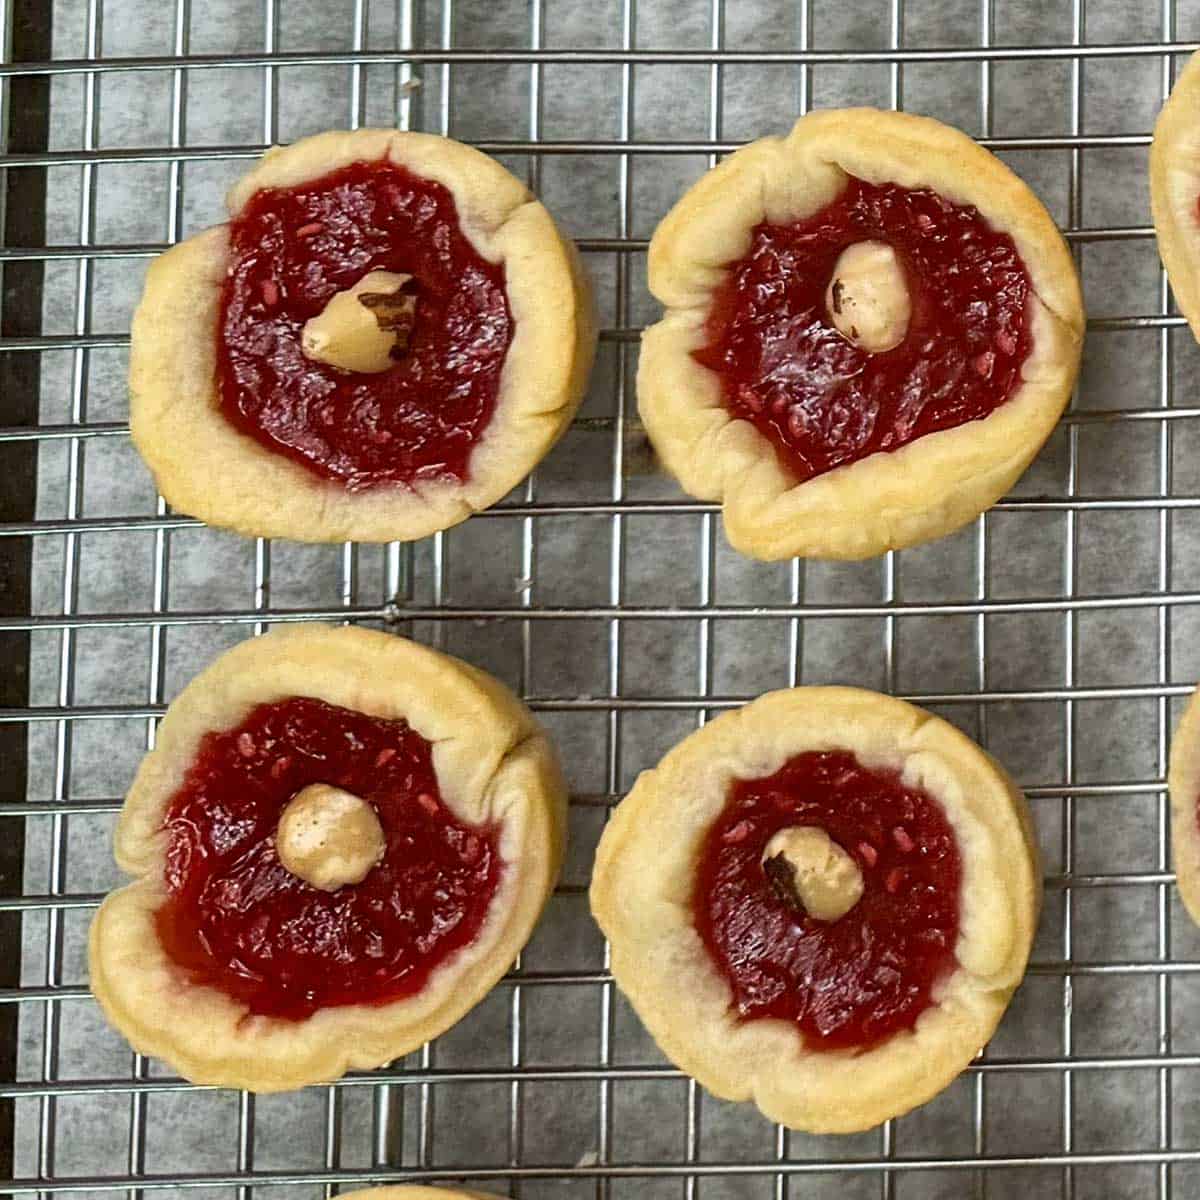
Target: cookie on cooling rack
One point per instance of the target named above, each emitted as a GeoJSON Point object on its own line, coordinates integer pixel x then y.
{"type": "Point", "coordinates": [386, 337]}
{"type": "Point", "coordinates": [1183, 784]}
{"type": "Point", "coordinates": [872, 325]}
{"type": "Point", "coordinates": [341, 841]}
{"type": "Point", "coordinates": [412, 1191]}
{"type": "Point", "coordinates": [821, 902]}
{"type": "Point", "coordinates": [1175, 190]}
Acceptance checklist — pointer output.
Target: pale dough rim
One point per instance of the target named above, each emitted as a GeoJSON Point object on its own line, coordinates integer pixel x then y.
{"type": "Point", "coordinates": [1183, 787]}
{"type": "Point", "coordinates": [206, 468]}
{"type": "Point", "coordinates": [417, 1191]}
{"type": "Point", "coordinates": [641, 897]}
{"type": "Point", "coordinates": [888, 500]}
{"type": "Point", "coordinates": [1175, 190]}
{"type": "Point", "coordinates": [493, 762]}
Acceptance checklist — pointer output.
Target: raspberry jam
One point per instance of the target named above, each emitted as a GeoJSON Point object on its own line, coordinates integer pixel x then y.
{"type": "Point", "coordinates": [239, 921]}
{"type": "Point", "coordinates": [822, 401]}
{"type": "Point", "coordinates": [291, 251]}
{"type": "Point", "coordinates": [853, 982]}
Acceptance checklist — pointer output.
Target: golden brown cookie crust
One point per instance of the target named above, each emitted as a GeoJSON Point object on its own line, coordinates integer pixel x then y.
{"type": "Point", "coordinates": [494, 765]}
{"type": "Point", "coordinates": [412, 1191]}
{"type": "Point", "coordinates": [1175, 190]}
{"type": "Point", "coordinates": [1183, 784]}
{"type": "Point", "coordinates": [642, 898]}
{"type": "Point", "coordinates": [891, 499]}
{"type": "Point", "coordinates": [205, 467]}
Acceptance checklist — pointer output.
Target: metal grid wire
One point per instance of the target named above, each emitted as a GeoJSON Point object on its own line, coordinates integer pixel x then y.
{"type": "Point", "coordinates": [409, 1099]}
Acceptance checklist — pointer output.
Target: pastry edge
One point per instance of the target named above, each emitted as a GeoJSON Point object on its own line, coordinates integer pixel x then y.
{"type": "Point", "coordinates": [415, 1191]}
{"type": "Point", "coordinates": [192, 1027]}
{"type": "Point", "coordinates": [764, 1061]}
{"type": "Point", "coordinates": [1175, 191]}
{"type": "Point", "coordinates": [1183, 788]}
{"type": "Point", "coordinates": [889, 500]}
{"type": "Point", "coordinates": [206, 468]}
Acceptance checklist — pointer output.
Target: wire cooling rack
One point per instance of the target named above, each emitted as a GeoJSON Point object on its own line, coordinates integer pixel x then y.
{"type": "Point", "coordinates": [1057, 630]}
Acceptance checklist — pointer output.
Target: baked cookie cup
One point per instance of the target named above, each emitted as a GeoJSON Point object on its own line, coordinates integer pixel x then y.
{"type": "Point", "coordinates": [1183, 784]}
{"type": "Point", "coordinates": [1175, 190]}
{"type": "Point", "coordinates": [872, 325]}
{"type": "Point", "coordinates": [412, 1191]}
{"type": "Point", "coordinates": [386, 337]}
{"type": "Point", "coordinates": [822, 903]}
{"type": "Point", "coordinates": [417, 1192]}
{"type": "Point", "coordinates": [339, 844]}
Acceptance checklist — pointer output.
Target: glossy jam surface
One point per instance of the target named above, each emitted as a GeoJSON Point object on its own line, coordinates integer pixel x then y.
{"type": "Point", "coordinates": [292, 251]}
{"type": "Point", "coordinates": [819, 399]}
{"type": "Point", "coordinates": [853, 982]}
{"type": "Point", "coordinates": [237, 920]}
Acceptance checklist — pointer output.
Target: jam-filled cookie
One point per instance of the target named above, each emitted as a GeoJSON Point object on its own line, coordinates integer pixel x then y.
{"type": "Point", "coordinates": [386, 337]}
{"type": "Point", "coordinates": [412, 1191]}
{"type": "Point", "coordinates": [1183, 783]}
{"type": "Point", "coordinates": [821, 902]}
{"type": "Point", "coordinates": [340, 843]}
{"type": "Point", "coordinates": [1175, 190]}
{"type": "Point", "coordinates": [872, 325]}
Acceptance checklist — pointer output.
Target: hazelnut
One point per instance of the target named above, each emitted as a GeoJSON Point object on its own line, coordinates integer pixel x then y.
{"type": "Point", "coordinates": [813, 871]}
{"type": "Point", "coordinates": [329, 837]}
{"type": "Point", "coordinates": [867, 297]}
{"type": "Point", "coordinates": [364, 328]}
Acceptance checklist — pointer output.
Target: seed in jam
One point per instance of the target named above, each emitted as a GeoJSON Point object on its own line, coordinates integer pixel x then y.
{"type": "Point", "coordinates": [292, 252]}
{"type": "Point", "coordinates": [820, 399]}
{"type": "Point", "coordinates": [238, 920]}
{"type": "Point", "coordinates": [851, 982]}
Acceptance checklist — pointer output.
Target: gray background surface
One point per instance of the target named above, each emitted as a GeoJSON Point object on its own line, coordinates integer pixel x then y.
{"type": "Point", "coordinates": [1076, 700]}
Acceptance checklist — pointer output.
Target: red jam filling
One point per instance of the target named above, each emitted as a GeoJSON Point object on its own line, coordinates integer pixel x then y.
{"type": "Point", "coordinates": [853, 982]}
{"type": "Point", "coordinates": [291, 251]}
{"type": "Point", "coordinates": [820, 400]}
{"type": "Point", "coordinates": [237, 920]}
